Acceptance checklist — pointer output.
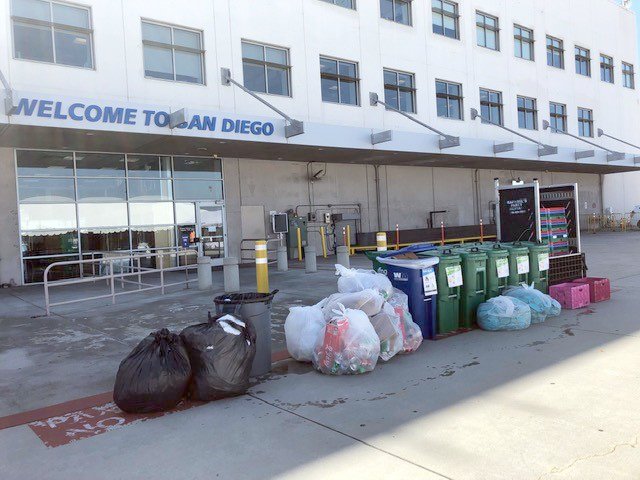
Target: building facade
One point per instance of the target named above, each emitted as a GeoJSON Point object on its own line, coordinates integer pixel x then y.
{"type": "Point", "coordinates": [123, 126]}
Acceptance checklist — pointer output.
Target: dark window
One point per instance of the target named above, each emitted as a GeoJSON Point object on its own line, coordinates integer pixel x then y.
{"type": "Point", "coordinates": [558, 117]}
{"type": "Point", "coordinates": [491, 106]}
{"type": "Point", "coordinates": [266, 69]}
{"type": "Point", "coordinates": [527, 113]}
{"type": "Point", "coordinates": [555, 52]}
{"type": "Point", "coordinates": [487, 31]}
{"type": "Point", "coordinates": [606, 69]}
{"type": "Point", "coordinates": [172, 53]}
{"type": "Point", "coordinates": [400, 90]}
{"type": "Point", "coordinates": [585, 122]}
{"type": "Point", "coordinates": [583, 61]}
{"type": "Point", "coordinates": [445, 18]}
{"type": "Point", "coordinates": [52, 32]}
{"type": "Point", "coordinates": [339, 81]}
{"type": "Point", "coordinates": [449, 99]}
{"type": "Point", "coordinates": [343, 3]}
{"type": "Point", "coordinates": [396, 11]}
{"type": "Point", "coordinates": [628, 75]}
{"type": "Point", "coordinates": [523, 42]}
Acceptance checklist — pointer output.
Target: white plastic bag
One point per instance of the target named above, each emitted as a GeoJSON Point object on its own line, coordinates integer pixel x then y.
{"type": "Point", "coordinates": [354, 280]}
{"type": "Point", "coordinates": [504, 313]}
{"type": "Point", "coordinates": [411, 333]}
{"type": "Point", "coordinates": [302, 329]}
{"type": "Point", "coordinates": [387, 325]}
{"type": "Point", "coordinates": [347, 345]}
{"type": "Point", "coordinates": [369, 301]}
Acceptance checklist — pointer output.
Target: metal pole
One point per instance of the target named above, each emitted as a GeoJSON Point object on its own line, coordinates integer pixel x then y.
{"type": "Point", "coordinates": [441, 234]}
{"type": "Point", "coordinates": [46, 293]}
{"type": "Point", "coordinates": [397, 237]}
{"type": "Point", "coordinates": [139, 275]}
{"type": "Point", "coordinates": [602, 134]}
{"type": "Point", "coordinates": [546, 125]}
{"type": "Point", "coordinates": [112, 282]}
{"type": "Point", "coordinates": [349, 238]}
{"type": "Point", "coordinates": [162, 277]}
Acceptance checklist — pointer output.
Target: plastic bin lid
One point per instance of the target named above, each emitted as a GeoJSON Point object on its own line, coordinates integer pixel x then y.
{"type": "Point", "coordinates": [413, 264]}
{"type": "Point", "coordinates": [241, 298]}
{"type": "Point", "coordinates": [415, 248]}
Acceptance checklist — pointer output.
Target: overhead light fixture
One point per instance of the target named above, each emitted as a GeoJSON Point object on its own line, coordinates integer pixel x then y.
{"type": "Point", "coordinates": [89, 134]}
{"type": "Point", "coordinates": [202, 149]}
{"type": "Point", "coordinates": [223, 142]}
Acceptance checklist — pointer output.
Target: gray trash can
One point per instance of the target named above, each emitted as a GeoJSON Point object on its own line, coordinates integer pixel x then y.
{"type": "Point", "coordinates": [256, 308]}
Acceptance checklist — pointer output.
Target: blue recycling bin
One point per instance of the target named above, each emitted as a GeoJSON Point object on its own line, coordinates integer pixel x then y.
{"type": "Point", "coordinates": [416, 278]}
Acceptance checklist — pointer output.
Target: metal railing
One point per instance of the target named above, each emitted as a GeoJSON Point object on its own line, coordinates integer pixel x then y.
{"type": "Point", "coordinates": [125, 269]}
{"type": "Point", "coordinates": [252, 241]}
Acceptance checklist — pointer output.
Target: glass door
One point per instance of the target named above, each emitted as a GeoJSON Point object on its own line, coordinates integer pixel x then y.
{"type": "Point", "coordinates": [210, 228]}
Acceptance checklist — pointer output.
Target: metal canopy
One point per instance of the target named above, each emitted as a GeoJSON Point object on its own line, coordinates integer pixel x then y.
{"type": "Point", "coordinates": [292, 127]}
{"type": "Point", "coordinates": [446, 141]}
{"type": "Point", "coordinates": [601, 133]}
{"type": "Point", "coordinates": [612, 156]}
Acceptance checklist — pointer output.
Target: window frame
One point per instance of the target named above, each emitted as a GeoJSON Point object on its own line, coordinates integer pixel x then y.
{"type": "Point", "coordinates": [585, 121]}
{"type": "Point", "coordinates": [519, 38]}
{"type": "Point", "coordinates": [173, 47]}
{"type": "Point", "coordinates": [393, 3]}
{"type": "Point", "coordinates": [443, 13]}
{"type": "Point", "coordinates": [628, 73]}
{"type": "Point", "coordinates": [399, 88]}
{"type": "Point", "coordinates": [490, 104]}
{"type": "Point", "coordinates": [582, 55]}
{"type": "Point", "coordinates": [266, 64]}
{"type": "Point", "coordinates": [551, 48]}
{"type": "Point", "coordinates": [352, 7]}
{"type": "Point", "coordinates": [339, 77]}
{"type": "Point", "coordinates": [527, 110]}
{"type": "Point", "coordinates": [448, 97]}
{"type": "Point", "coordinates": [51, 25]}
{"type": "Point", "coordinates": [486, 27]}
{"type": "Point", "coordinates": [607, 64]}
{"type": "Point", "coordinates": [554, 116]}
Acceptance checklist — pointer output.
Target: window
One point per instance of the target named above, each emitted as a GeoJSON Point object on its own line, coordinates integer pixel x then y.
{"type": "Point", "coordinates": [585, 122]}
{"type": "Point", "coordinates": [449, 99]}
{"type": "Point", "coordinates": [266, 69]}
{"type": "Point", "coordinates": [523, 42]}
{"type": "Point", "coordinates": [487, 31]}
{"type": "Point", "coordinates": [555, 52]}
{"type": "Point", "coordinates": [396, 10]}
{"type": "Point", "coordinates": [606, 68]}
{"type": "Point", "coordinates": [527, 113]}
{"type": "Point", "coordinates": [339, 81]}
{"type": "Point", "coordinates": [445, 18]}
{"type": "Point", "coordinates": [343, 3]}
{"type": "Point", "coordinates": [52, 32]}
{"type": "Point", "coordinates": [172, 53]}
{"type": "Point", "coordinates": [558, 117]}
{"type": "Point", "coordinates": [583, 61]}
{"type": "Point", "coordinates": [400, 90]}
{"type": "Point", "coordinates": [628, 76]}
{"type": "Point", "coordinates": [491, 106]}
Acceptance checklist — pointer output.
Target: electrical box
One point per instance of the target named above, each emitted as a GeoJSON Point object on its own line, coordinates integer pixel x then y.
{"type": "Point", "coordinates": [336, 217]}
{"type": "Point", "coordinates": [327, 217]}
{"type": "Point", "coordinates": [279, 222]}
{"type": "Point", "coordinates": [311, 217]}
{"type": "Point", "coordinates": [292, 235]}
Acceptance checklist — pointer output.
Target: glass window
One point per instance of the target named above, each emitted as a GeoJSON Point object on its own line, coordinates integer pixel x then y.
{"type": "Point", "coordinates": [101, 189]}
{"type": "Point", "coordinates": [523, 42]}
{"type": "Point", "coordinates": [555, 52]}
{"type": "Point", "coordinates": [50, 216]}
{"type": "Point", "coordinates": [396, 10]}
{"type": "Point", "coordinates": [266, 69]}
{"type": "Point", "coordinates": [558, 117]}
{"type": "Point", "coordinates": [93, 215]}
{"type": "Point", "coordinates": [340, 82]}
{"type": "Point", "coordinates": [585, 122]}
{"type": "Point", "coordinates": [197, 189]}
{"type": "Point", "coordinates": [172, 53]}
{"type": "Point", "coordinates": [52, 32]}
{"type": "Point", "coordinates": [343, 3]}
{"type": "Point", "coordinates": [44, 164]}
{"type": "Point", "coordinates": [399, 90]}
{"type": "Point", "coordinates": [583, 61]}
{"type": "Point", "coordinates": [487, 31]}
{"type": "Point", "coordinates": [49, 242]}
{"type": "Point", "coordinates": [46, 190]}
{"type": "Point", "coordinates": [151, 213]}
{"type": "Point", "coordinates": [197, 167]}
{"type": "Point", "coordinates": [185, 213]}
{"type": "Point", "coordinates": [34, 269]}
{"type": "Point", "coordinates": [149, 166]}
{"type": "Point", "coordinates": [527, 113]}
{"type": "Point", "coordinates": [491, 106]}
{"type": "Point", "coordinates": [628, 75]}
{"type": "Point", "coordinates": [148, 189]}
{"type": "Point", "coordinates": [449, 99]}
{"type": "Point", "coordinates": [445, 18]}
{"type": "Point", "coordinates": [104, 239]}
{"type": "Point", "coordinates": [99, 165]}
{"type": "Point", "coordinates": [606, 69]}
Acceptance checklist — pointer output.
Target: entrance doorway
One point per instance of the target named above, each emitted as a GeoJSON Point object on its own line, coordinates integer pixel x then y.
{"type": "Point", "coordinates": [206, 221]}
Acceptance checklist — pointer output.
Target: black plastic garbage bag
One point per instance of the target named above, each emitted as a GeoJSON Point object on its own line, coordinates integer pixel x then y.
{"type": "Point", "coordinates": [221, 352]}
{"type": "Point", "coordinates": [154, 376]}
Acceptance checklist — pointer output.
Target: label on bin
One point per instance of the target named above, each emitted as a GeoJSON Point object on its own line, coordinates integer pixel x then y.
{"type": "Point", "coordinates": [523, 264]}
{"type": "Point", "coordinates": [502, 266]}
{"type": "Point", "coordinates": [429, 284]}
{"type": "Point", "coordinates": [543, 262]}
{"type": "Point", "coordinates": [454, 276]}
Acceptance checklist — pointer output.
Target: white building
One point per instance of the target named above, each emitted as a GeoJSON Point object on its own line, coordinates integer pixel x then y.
{"type": "Point", "coordinates": [104, 76]}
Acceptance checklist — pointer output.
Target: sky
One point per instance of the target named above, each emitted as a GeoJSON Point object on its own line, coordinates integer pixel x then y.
{"type": "Point", "coordinates": [636, 8]}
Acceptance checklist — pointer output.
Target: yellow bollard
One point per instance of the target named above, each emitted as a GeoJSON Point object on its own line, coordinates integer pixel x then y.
{"type": "Point", "coordinates": [349, 239]}
{"type": "Point", "coordinates": [299, 243]}
{"type": "Point", "coordinates": [262, 267]}
{"type": "Point", "coordinates": [381, 241]}
{"type": "Point", "coordinates": [324, 242]}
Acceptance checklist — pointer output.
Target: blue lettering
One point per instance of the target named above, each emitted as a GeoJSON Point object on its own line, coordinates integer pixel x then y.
{"type": "Point", "coordinates": [256, 128]}
{"type": "Point", "coordinates": [244, 126]}
{"type": "Point", "coordinates": [57, 113]}
{"type": "Point", "coordinates": [161, 119]}
{"type": "Point", "coordinates": [130, 116]}
{"type": "Point", "coordinates": [112, 115]}
{"type": "Point", "coordinates": [209, 123]}
{"type": "Point", "coordinates": [93, 113]}
{"type": "Point", "coordinates": [147, 116]}
{"type": "Point", "coordinates": [267, 129]}
{"type": "Point", "coordinates": [28, 106]}
{"type": "Point", "coordinates": [72, 111]}
{"type": "Point", "coordinates": [195, 123]}
{"type": "Point", "coordinates": [44, 109]}
{"type": "Point", "coordinates": [227, 125]}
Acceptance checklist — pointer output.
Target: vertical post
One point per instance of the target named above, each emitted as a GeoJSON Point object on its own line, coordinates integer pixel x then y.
{"type": "Point", "coordinates": [323, 240]}
{"type": "Point", "coordinates": [342, 255]}
{"type": "Point", "coordinates": [281, 256]}
{"type": "Point", "coordinates": [262, 267]}
{"type": "Point", "coordinates": [139, 274]}
{"type": "Point", "coordinates": [397, 237]}
{"type": "Point", "coordinates": [349, 238]}
{"type": "Point", "coordinates": [299, 235]}
{"type": "Point", "coordinates": [344, 236]}
{"type": "Point", "coordinates": [231, 273]}
{"type": "Point", "coordinates": [381, 241]}
{"type": "Point", "coordinates": [162, 274]}
{"type": "Point", "coordinates": [441, 234]}
{"type": "Point", "coordinates": [112, 283]}
{"type": "Point", "coordinates": [481, 231]}
{"type": "Point", "coordinates": [46, 293]}
{"type": "Point", "coordinates": [310, 259]}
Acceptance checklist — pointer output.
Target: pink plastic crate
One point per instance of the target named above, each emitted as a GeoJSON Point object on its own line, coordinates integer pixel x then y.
{"type": "Point", "coordinates": [599, 288]}
{"type": "Point", "coordinates": [571, 295]}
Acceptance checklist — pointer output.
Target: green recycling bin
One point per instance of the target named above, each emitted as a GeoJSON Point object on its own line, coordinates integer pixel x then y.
{"type": "Point", "coordinates": [519, 264]}
{"type": "Point", "coordinates": [539, 265]}
{"type": "Point", "coordinates": [474, 288]}
{"type": "Point", "coordinates": [449, 279]}
{"type": "Point", "coordinates": [377, 266]}
{"type": "Point", "coordinates": [497, 268]}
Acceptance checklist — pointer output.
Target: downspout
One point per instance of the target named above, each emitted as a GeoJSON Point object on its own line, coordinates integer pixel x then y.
{"type": "Point", "coordinates": [377, 182]}
{"type": "Point", "coordinates": [476, 196]}
{"type": "Point", "coordinates": [602, 193]}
